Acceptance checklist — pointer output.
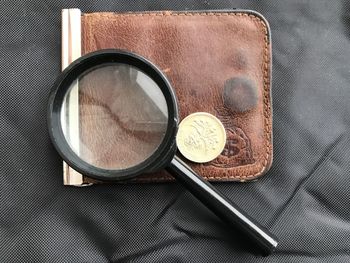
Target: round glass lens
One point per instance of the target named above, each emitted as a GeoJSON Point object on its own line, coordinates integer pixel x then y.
{"type": "Point", "coordinates": [114, 116]}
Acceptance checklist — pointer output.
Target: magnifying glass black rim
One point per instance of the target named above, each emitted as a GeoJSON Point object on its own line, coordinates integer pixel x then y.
{"type": "Point", "coordinates": [164, 152]}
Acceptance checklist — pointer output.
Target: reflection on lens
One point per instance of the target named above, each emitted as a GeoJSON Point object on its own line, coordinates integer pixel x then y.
{"type": "Point", "coordinates": [114, 116]}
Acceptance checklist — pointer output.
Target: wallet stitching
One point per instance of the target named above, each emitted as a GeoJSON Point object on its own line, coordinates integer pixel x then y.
{"type": "Point", "coordinates": [266, 96]}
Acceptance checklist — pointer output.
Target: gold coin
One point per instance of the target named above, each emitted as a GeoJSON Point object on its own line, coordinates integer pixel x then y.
{"type": "Point", "coordinates": [201, 137]}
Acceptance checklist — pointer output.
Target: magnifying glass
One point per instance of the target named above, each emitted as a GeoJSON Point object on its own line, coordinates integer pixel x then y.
{"type": "Point", "coordinates": [113, 115]}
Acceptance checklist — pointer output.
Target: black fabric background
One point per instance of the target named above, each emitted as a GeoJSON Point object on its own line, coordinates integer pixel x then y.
{"type": "Point", "coordinates": [304, 199]}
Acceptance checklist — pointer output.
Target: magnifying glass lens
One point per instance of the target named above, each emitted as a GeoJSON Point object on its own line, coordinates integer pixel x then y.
{"type": "Point", "coordinates": [114, 116]}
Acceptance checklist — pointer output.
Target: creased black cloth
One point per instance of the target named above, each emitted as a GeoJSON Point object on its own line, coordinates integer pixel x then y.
{"type": "Point", "coordinates": [304, 199]}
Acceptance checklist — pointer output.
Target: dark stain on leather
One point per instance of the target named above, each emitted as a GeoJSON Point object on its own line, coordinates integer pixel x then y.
{"type": "Point", "coordinates": [240, 60]}
{"type": "Point", "coordinates": [240, 94]}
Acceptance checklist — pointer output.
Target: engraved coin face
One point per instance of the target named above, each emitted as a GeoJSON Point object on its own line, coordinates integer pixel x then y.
{"type": "Point", "coordinates": [201, 137]}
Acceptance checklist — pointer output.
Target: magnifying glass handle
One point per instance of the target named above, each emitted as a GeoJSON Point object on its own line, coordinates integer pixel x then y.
{"type": "Point", "coordinates": [222, 206]}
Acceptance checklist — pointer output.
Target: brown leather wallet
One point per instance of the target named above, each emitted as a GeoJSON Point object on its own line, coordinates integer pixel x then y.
{"type": "Point", "coordinates": [217, 62]}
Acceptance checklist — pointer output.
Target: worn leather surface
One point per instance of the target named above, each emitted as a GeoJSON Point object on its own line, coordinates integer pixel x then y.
{"type": "Point", "coordinates": [217, 62]}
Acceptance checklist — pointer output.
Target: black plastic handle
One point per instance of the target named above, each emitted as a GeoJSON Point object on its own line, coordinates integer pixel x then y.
{"type": "Point", "coordinates": [222, 206]}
